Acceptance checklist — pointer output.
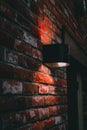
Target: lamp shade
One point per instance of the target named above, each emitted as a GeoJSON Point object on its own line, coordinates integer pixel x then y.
{"type": "Point", "coordinates": [56, 55]}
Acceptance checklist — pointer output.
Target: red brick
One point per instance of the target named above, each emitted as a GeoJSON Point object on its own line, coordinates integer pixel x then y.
{"type": "Point", "coordinates": [53, 110]}
{"type": "Point", "coordinates": [6, 71]}
{"type": "Point", "coordinates": [36, 54]}
{"type": "Point", "coordinates": [22, 47]}
{"type": "Point", "coordinates": [58, 81]}
{"type": "Point", "coordinates": [43, 78]}
{"type": "Point", "coordinates": [32, 63]}
{"type": "Point", "coordinates": [43, 89]}
{"type": "Point", "coordinates": [51, 100]}
{"type": "Point", "coordinates": [30, 88]}
{"type": "Point", "coordinates": [31, 115]}
{"type": "Point", "coordinates": [28, 62]}
{"type": "Point", "coordinates": [49, 123]}
{"type": "Point", "coordinates": [44, 69]}
{"type": "Point", "coordinates": [39, 126]}
{"type": "Point", "coordinates": [43, 113]}
{"type": "Point", "coordinates": [53, 90]}
{"type": "Point", "coordinates": [38, 101]}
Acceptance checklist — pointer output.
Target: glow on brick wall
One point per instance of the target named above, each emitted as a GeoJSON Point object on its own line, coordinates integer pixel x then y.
{"type": "Point", "coordinates": [46, 34]}
{"type": "Point", "coordinates": [46, 26]}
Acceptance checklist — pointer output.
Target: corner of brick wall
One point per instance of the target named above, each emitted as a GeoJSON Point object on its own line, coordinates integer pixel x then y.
{"type": "Point", "coordinates": [32, 96]}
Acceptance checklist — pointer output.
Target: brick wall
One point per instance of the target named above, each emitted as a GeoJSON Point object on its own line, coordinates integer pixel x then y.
{"type": "Point", "coordinates": [32, 96]}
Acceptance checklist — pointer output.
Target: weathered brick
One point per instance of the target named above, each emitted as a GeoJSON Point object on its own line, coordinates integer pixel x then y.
{"type": "Point", "coordinates": [31, 115]}
{"type": "Point", "coordinates": [43, 89]}
{"type": "Point", "coordinates": [51, 100]}
{"type": "Point", "coordinates": [43, 113]}
{"type": "Point", "coordinates": [53, 110]}
{"type": "Point", "coordinates": [39, 126]}
{"type": "Point", "coordinates": [32, 63]}
{"type": "Point", "coordinates": [32, 96]}
{"type": "Point", "coordinates": [28, 62]}
{"type": "Point", "coordinates": [11, 57]}
{"type": "Point", "coordinates": [12, 87]}
{"type": "Point", "coordinates": [38, 100]}
{"type": "Point", "coordinates": [58, 120]}
{"type": "Point", "coordinates": [30, 39]}
{"type": "Point", "coordinates": [36, 54]}
{"type": "Point", "coordinates": [22, 47]}
{"type": "Point", "coordinates": [49, 123]}
{"type": "Point", "coordinates": [53, 90]}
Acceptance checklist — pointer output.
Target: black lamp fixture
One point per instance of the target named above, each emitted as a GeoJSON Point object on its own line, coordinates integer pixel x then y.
{"type": "Point", "coordinates": [56, 55]}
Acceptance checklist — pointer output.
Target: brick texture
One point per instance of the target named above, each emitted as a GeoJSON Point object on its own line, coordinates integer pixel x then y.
{"type": "Point", "coordinates": [32, 96]}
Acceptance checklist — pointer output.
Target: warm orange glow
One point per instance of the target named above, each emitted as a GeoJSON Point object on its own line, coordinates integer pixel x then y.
{"type": "Point", "coordinates": [45, 33]}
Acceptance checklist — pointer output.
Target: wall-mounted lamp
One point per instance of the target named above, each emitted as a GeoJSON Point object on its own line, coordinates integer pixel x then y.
{"type": "Point", "coordinates": [56, 55]}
